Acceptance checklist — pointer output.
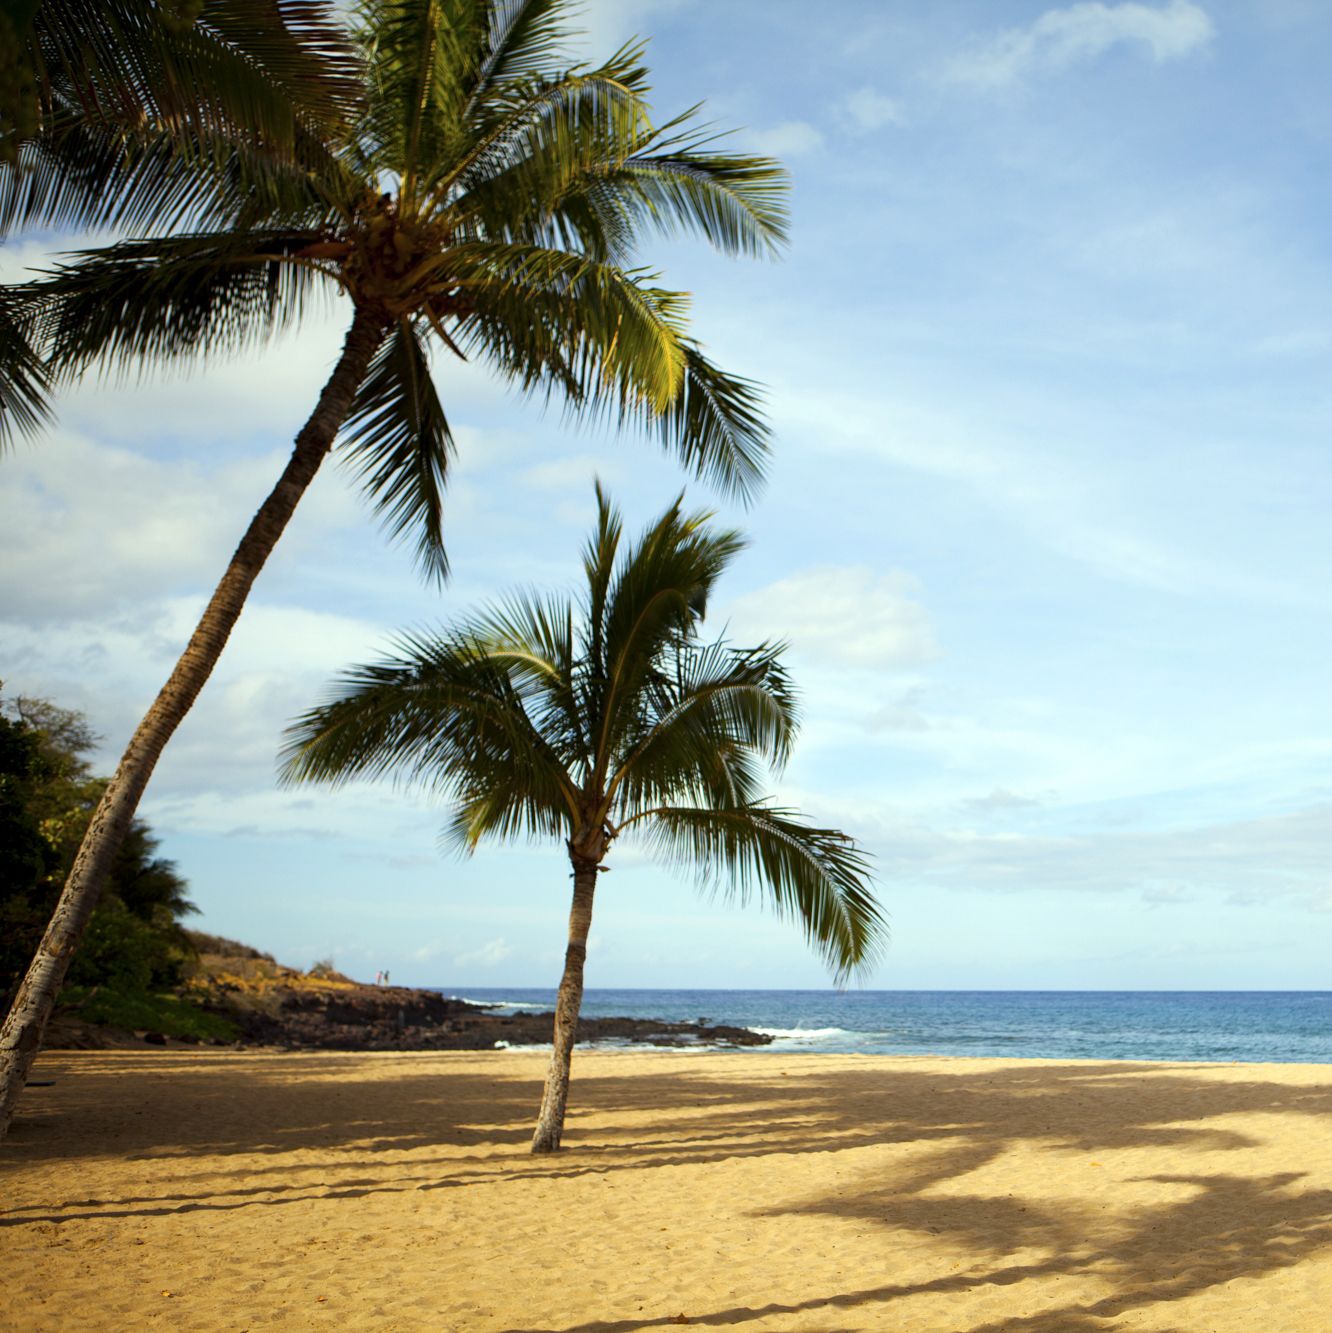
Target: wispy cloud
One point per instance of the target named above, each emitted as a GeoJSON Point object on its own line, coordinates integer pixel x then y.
{"type": "Point", "coordinates": [841, 616]}
{"type": "Point", "coordinates": [1240, 862]}
{"type": "Point", "coordinates": [1000, 801]}
{"type": "Point", "coordinates": [576, 472]}
{"type": "Point", "coordinates": [598, 29]}
{"type": "Point", "coordinates": [1061, 38]}
{"type": "Point", "coordinates": [905, 713]}
{"type": "Point", "coordinates": [1026, 479]}
{"type": "Point", "coordinates": [123, 527]}
{"type": "Point", "coordinates": [867, 109]}
{"type": "Point", "coordinates": [490, 954]}
{"type": "Point", "coordinates": [791, 138]}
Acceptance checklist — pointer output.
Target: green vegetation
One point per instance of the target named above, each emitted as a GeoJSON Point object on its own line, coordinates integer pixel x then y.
{"type": "Point", "coordinates": [586, 723]}
{"type": "Point", "coordinates": [134, 943]}
{"type": "Point", "coordinates": [171, 1015]}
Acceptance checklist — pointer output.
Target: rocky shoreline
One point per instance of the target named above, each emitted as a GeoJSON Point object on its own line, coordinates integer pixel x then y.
{"type": "Point", "coordinates": [273, 1006]}
{"type": "Point", "coordinates": [393, 1018]}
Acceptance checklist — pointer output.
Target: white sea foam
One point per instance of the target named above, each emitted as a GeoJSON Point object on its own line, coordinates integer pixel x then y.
{"type": "Point", "coordinates": [617, 1044]}
{"type": "Point", "coordinates": [802, 1035]}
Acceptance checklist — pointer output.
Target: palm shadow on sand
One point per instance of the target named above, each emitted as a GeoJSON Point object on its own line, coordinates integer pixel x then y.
{"type": "Point", "coordinates": [1226, 1226]}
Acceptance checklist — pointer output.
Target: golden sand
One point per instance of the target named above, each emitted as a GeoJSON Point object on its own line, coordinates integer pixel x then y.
{"type": "Point", "coordinates": [762, 1191]}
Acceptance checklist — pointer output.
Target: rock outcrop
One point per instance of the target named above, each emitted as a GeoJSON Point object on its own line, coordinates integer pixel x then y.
{"type": "Point", "coordinates": [394, 1018]}
{"type": "Point", "coordinates": [270, 1005]}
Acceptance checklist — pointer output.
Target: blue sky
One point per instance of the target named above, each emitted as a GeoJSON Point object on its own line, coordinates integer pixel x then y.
{"type": "Point", "coordinates": [1046, 524]}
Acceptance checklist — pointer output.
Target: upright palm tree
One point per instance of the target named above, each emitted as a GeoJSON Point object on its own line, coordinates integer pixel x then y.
{"type": "Point", "coordinates": [487, 199]}
{"type": "Point", "coordinates": [587, 723]}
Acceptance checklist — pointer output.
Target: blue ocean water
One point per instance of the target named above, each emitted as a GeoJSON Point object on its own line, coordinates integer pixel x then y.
{"type": "Point", "coordinates": [1282, 1026]}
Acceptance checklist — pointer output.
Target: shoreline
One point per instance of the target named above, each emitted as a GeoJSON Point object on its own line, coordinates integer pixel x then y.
{"type": "Point", "coordinates": [263, 1004]}
{"type": "Point", "coordinates": [1255, 1027]}
{"type": "Point", "coordinates": [787, 1191]}
{"type": "Point", "coordinates": [134, 1045]}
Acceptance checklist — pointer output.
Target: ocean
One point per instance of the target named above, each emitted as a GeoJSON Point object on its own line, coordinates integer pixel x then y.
{"type": "Point", "coordinates": [1281, 1026]}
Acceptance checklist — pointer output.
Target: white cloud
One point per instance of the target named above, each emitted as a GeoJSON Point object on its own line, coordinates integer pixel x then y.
{"type": "Point", "coordinates": [1167, 895]}
{"type": "Point", "coordinates": [839, 615]}
{"type": "Point", "coordinates": [574, 473]}
{"type": "Point", "coordinates": [1060, 38]}
{"type": "Point", "coordinates": [789, 139]}
{"type": "Point", "coordinates": [277, 663]}
{"type": "Point", "coordinates": [999, 801]}
{"type": "Point", "coordinates": [866, 110]}
{"type": "Point", "coordinates": [1033, 482]}
{"type": "Point", "coordinates": [601, 26]}
{"type": "Point", "coordinates": [1250, 860]}
{"type": "Point", "coordinates": [490, 954]}
{"type": "Point", "coordinates": [905, 713]}
{"type": "Point", "coordinates": [118, 528]}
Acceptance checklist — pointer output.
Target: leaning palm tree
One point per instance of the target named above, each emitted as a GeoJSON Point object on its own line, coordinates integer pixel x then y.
{"type": "Point", "coordinates": [594, 722]}
{"type": "Point", "coordinates": [487, 200]}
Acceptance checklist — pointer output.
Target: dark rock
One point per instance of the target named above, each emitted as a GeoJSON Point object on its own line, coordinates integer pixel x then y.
{"type": "Point", "coordinates": [394, 1018]}
{"type": "Point", "coordinates": [155, 1038]}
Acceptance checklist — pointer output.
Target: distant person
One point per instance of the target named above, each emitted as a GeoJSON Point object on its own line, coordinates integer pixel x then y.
{"type": "Point", "coordinates": [386, 980]}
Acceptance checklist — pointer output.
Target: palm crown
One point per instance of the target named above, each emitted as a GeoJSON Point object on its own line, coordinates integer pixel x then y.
{"type": "Point", "coordinates": [487, 199]}
{"type": "Point", "coordinates": [542, 718]}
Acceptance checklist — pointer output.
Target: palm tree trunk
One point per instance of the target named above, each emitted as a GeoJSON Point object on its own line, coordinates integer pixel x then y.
{"type": "Point", "coordinates": [550, 1123]}
{"type": "Point", "coordinates": [21, 1036]}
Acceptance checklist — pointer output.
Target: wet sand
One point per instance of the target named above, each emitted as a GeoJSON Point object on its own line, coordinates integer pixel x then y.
{"type": "Point", "coordinates": [253, 1190]}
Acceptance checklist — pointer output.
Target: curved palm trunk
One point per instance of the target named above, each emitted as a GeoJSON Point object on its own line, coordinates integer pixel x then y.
{"type": "Point", "coordinates": [21, 1036]}
{"type": "Point", "coordinates": [550, 1122]}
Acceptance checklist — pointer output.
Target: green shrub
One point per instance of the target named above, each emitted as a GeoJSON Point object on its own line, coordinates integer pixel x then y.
{"type": "Point", "coordinates": [143, 1010]}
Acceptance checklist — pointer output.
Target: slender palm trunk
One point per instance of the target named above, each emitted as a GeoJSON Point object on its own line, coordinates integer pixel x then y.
{"type": "Point", "coordinates": [25, 1024]}
{"type": "Point", "coordinates": [550, 1123]}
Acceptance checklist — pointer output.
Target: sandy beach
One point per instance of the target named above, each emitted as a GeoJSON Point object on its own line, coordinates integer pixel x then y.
{"type": "Point", "coordinates": [256, 1190]}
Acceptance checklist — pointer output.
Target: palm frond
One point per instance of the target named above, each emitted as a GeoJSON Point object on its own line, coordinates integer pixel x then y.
{"type": "Point", "coordinates": [149, 115]}
{"type": "Point", "coordinates": [550, 318]}
{"type": "Point", "coordinates": [252, 66]}
{"type": "Point", "coordinates": [24, 380]}
{"type": "Point", "coordinates": [171, 297]}
{"type": "Point", "coordinates": [815, 876]}
{"type": "Point", "coordinates": [717, 702]}
{"type": "Point", "coordinates": [602, 181]}
{"type": "Point", "coordinates": [599, 557]}
{"type": "Point", "coordinates": [678, 180]}
{"type": "Point", "coordinates": [531, 142]}
{"type": "Point", "coordinates": [300, 47]}
{"type": "Point", "coordinates": [441, 714]}
{"type": "Point", "coordinates": [715, 425]}
{"type": "Point", "coordinates": [81, 174]}
{"type": "Point", "coordinates": [531, 639]}
{"type": "Point", "coordinates": [398, 442]}
{"type": "Point", "coordinates": [659, 593]}
{"type": "Point", "coordinates": [421, 57]}
{"type": "Point", "coordinates": [663, 583]}
{"type": "Point", "coordinates": [711, 421]}
{"type": "Point", "coordinates": [524, 40]}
